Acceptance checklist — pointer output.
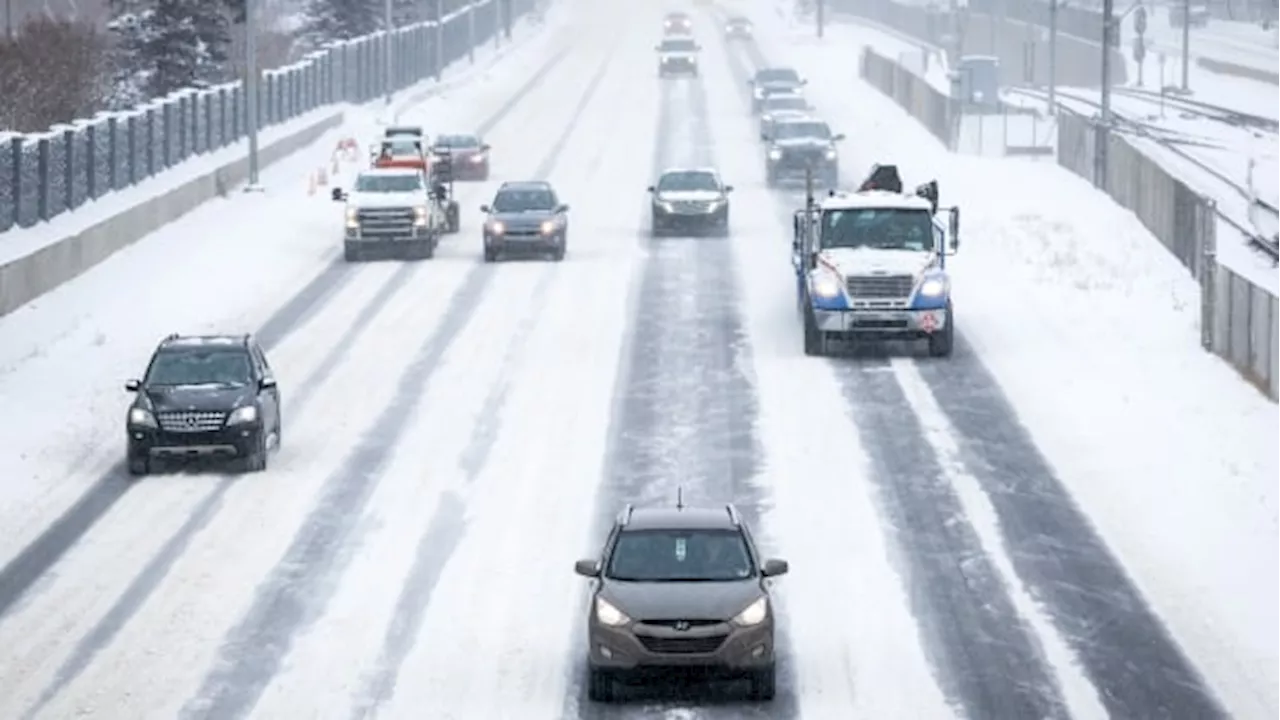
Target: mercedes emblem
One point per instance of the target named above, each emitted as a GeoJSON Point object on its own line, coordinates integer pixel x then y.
{"type": "Point", "coordinates": [682, 625]}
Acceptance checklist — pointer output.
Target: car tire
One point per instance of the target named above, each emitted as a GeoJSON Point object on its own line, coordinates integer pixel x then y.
{"type": "Point", "coordinates": [139, 465]}
{"type": "Point", "coordinates": [655, 227]}
{"type": "Point", "coordinates": [453, 220]}
{"type": "Point", "coordinates": [560, 250]}
{"type": "Point", "coordinates": [350, 254]}
{"type": "Point", "coordinates": [764, 683]}
{"type": "Point", "coordinates": [490, 255]}
{"type": "Point", "coordinates": [815, 341]}
{"type": "Point", "coordinates": [600, 686]}
{"type": "Point", "coordinates": [941, 344]}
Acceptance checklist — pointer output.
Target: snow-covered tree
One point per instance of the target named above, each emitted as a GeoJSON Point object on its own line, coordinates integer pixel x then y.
{"type": "Point", "coordinates": [166, 45]}
{"type": "Point", "coordinates": [330, 20]}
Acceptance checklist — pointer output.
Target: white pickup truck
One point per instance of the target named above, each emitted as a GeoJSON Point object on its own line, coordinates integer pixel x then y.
{"type": "Point", "coordinates": [392, 213]}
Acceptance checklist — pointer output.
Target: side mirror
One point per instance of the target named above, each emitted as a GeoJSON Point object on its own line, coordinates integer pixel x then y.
{"type": "Point", "coordinates": [728, 188]}
{"type": "Point", "coordinates": [954, 227]}
{"type": "Point", "coordinates": [338, 195]}
{"type": "Point", "coordinates": [485, 147]}
{"type": "Point", "coordinates": [562, 208]}
{"type": "Point", "coordinates": [133, 385]}
{"type": "Point", "coordinates": [797, 224]}
{"type": "Point", "coordinates": [587, 568]}
{"type": "Point", "coordinates": [266, 383]}
{"type": "Point", "coordinates": [804, 81]}
{"type": "Point", "coordinates": [484, 209]}
{"type": "Point", "coordinates": [774, 568]}
{"type": "Point", "coordinates": [651, 189]}
{"type": "Point", "coordinates": [764, 136]}
{"type": "Point", "coordinates": [838, 138]}
{"type": "Point", "coordinates": [751, 82]}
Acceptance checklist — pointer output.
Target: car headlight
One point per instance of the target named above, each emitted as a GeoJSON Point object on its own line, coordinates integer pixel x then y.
{"type": "Point", "coordinates": [352, 220]}
{"type": "Point", "coordinates": [933, 287]}
{"type": "Point", "coordinates": [420, 215]}
{"type": "Point", "coordinates": [666, 206]}
{"type": "Point", "coordinates": [759, 93]}
{"type": "Point", "coordinates": [497, 228]}
{"type": "Point", "coordinates": [141, 417]}
{"type": "Point", "coordinates": [824, 284]}
{"type": "Point", "coordinates": [243, 415]}
{"type": "Point", "coordinates": [775, 154]}
{"type": "Point", "coordinates": [548, 227]}
{"type": "Point", "coordinates": [609, 615]}
{"type": "Point", "coordinates": [831, 154]}
{"type": "Point", "coordinates": [755, 613]}
{"type": "Point", "coordinates": [477, 159]}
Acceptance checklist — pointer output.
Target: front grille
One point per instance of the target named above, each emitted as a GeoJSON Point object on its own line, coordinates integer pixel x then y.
{"type": "Point", "coordinates": [881, 287]}
{"type": "Point", "coordinates": [527, 231]}
{"type": "Point", "coordinates": [802, 158]}
{"type": "Point", "coordinates": [385, 221]}
{"type": "Point", "coordinates": [685, 623]}
{"type": "Point", "coordinates": [690, 206]}
{"type": "Point", "coordinates": [682, 646]}
{"type": "Point", "coordinates": [191, 422]}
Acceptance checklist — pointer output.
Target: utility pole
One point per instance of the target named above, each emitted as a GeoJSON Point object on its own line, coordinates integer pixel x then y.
{"type": "Point", "coordinates": [251, 85]}
{"type": "Point", "coordinates": [439, 38]}
{"type": "Point", "coordinates": [1053, 55]}
{"type": "Point", "coordinates": [8, 20]}
{"type": "Point", "coordinates": [471, 34]}
{"type": "Point", "coordinates": [388, 50]}
{"type": "Point", "coordinates": [822, 17]}
{"type": "Point", "coordinates": [1186, 45]}
{"type": "Point", "coordinates": [1103, 138]}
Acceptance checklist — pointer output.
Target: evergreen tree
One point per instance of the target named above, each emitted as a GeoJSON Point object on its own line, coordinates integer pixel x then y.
{"type": "Point", "coordinates": [167, 45]}
{"type": "Point", "coordinates": [330, 20]}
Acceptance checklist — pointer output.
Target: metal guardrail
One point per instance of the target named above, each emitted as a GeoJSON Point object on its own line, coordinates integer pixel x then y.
{"type": "Point", "coordinates": [45, 175]}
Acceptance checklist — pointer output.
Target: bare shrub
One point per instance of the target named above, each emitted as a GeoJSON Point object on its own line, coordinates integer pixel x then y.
{"type": "Point", "coordinates": [52, 72]}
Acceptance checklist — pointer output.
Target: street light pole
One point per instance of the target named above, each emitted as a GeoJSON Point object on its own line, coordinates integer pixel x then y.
{"type": "Point", "coordinates": [1053, 54]}
{"type": "Point", "coordinates": [8, 20]}
{"type": "Point", "coordinates": [388, 50]}
{"type": "Point", "coordinates": [439, 39]}
{"type": "Point", "coordinates": [251, 89]}
{"type": "Point", "coordinates": [1104, 135]}
{"type": "Point", "coordinates": [1186, 45]}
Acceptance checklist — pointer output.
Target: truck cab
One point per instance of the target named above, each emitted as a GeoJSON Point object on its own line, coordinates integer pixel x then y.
{"type": "Point", "coordinates": [392, 213]}
{"type": "Point", "coordinates": [872, 265]}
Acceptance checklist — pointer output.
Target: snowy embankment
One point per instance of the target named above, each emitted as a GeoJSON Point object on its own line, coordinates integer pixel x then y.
{"type": "Point", "coordinates": [1091, 328]}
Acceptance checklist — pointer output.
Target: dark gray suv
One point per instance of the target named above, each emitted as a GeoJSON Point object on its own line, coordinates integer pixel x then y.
{"type": "Point", "coordinates": [680, 588]}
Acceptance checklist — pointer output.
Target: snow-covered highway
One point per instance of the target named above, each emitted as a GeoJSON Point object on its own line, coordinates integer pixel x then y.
{"type": "Point", "coordinates": [1074, 516]}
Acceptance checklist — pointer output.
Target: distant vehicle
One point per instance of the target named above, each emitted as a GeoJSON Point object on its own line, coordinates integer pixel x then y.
{"type": "Point", "coordinates": [677, 23]}
{"type": "Point", "coordinates": [206, 397]}
{"type": "Point", "coordinates": [798, 147]}
{"type": "Point", "coordinates": [525, 218]}
{"type": "Point", "coordinates": [399, 152]}
{"type": "Point", "coordinates": [680, 587]}
{"type": "Point", "coordinates": [778, 104]}
{"type": "Point", "coordinates": [678, 56]}
{"type": "Point", "coordinates": [690, 200]}
{"type": "Point", "coordinates": [468, 154]}
{"type": "Point", "coordinates": [769, 81]}
{"type": "Point", "coordinates": [872, 265]}
{"type": "Point", "coordinates": [400, 131]}
{"type": "Point", "coordinates": [392, 213]}
{"type": "Point", "coordinates": [739, 28]}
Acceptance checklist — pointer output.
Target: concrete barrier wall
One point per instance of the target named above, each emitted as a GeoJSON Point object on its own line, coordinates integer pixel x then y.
{"type": "Point", "coordinates": [1239, 320]}
{"type": "Point", "coordinates": [29, 277]}
{"type": "Point", "coordinates": [1021, 45]}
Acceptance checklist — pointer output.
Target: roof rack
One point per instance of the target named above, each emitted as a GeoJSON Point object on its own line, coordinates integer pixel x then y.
{"type": "Point", "coordinates": [172, 336]}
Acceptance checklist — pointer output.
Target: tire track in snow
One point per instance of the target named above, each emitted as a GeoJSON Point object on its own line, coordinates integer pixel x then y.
{"type": "Point", "coordinates": [684, 410]}
{"type": "Point", "coordinates": [987, 660]}
{"type": "Point", "coordinates": [23, 572]}
{"type": "Point", "coordinates": [1124, 649]}
{"type": "Point", "coordinates": [447, 526]}
{"type": "Point", "coordinates": [301, 584]}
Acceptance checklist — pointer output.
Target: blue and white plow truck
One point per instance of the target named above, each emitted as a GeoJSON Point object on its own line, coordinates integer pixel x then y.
{"type": "Point", "coordinates": [872, 265]}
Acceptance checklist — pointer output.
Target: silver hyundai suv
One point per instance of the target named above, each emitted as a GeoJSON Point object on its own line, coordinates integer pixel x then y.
{"type": "Point", "coordinates": [680, 588]}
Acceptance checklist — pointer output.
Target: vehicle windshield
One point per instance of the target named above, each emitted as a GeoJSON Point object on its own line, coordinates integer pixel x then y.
{"type": "Point", "coordinates": [785, 103]}
{"type": "Point", "coordinates": [680, 556]}
{"type": "Point", "coordinates": [880, 228]}
{"type": "Point", "coordinates": [797, 130]}
{"type": "Point", "coordinates": [739, 21]}
{"type": "Point", "coordinates": [684, 181]}
{"type": "Point", "coordinates": [678, 45]}
{"type": "Point", "coordinates": [458, 141]}
{"type": "Point", "coordinates": [778, 75]}
{"type": "Point", "coordinates": [388, 183]}
{"type": "Point", "coordinates": [200, 366]}
{"type": "Point", "coordinates": [400, 147]}
{"type": "Point", "coordinates": [524, 201]}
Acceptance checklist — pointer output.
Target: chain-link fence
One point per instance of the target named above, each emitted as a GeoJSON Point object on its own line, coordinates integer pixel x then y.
{"type": "Point", "coordinates": [45, 175]}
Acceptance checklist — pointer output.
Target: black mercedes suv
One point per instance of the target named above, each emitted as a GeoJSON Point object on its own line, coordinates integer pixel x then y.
{"type": "Point", "coordinates": [204, 397]}
{"type": "Point", "coordinates": [680, 588]}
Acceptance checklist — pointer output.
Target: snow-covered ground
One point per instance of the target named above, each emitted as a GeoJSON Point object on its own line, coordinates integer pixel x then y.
{"type": "Point", "coordinates": [457, 432]}
{"type": "Point", "coordinates": [1235, 42]}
